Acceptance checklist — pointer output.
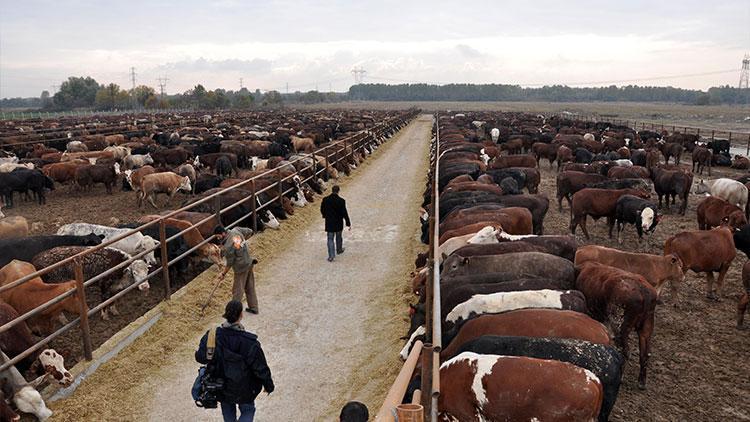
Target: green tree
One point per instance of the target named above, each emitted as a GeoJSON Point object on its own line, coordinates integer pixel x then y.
{"type": "Point", "coordinates": [272, 99]}
{"type": "Point", "coordinates": [142, 93]}
{"type": "Point", "coordinates": [76, 92]}
{"type": "Point", "coordinates": [107, 97]}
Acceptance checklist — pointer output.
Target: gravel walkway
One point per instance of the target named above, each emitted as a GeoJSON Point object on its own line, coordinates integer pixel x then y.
{"type": "Point", "coordinates": [326, 328]}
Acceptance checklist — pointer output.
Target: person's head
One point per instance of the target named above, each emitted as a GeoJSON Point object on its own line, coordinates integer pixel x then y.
{"type": "Point", "coordinates": [233, 311]}
{"type": "Point", "coordinates": [336, 189]}
{"type": "Point", "coordinates": [354, 411]}
{"type": "Point", "coordinates": [220, 232]}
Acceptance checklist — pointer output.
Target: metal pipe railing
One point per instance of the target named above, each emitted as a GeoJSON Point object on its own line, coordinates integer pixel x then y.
{"type": "Point", "coordinates": [75, 260]}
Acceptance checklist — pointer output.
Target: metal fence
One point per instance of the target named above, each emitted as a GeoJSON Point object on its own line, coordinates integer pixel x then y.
{"type": "Point", "coordinates": [737, 139]}
{"type": "Point", "coordinates": [332, 154]}
{"type": "Point", "coordinates": [429, 351]}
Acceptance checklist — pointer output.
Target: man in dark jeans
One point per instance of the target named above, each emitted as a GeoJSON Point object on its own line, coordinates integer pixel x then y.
{"type": "Point", "coordinates": [240, 361]}
{"type": "Point", "coordinates": [333, 208]}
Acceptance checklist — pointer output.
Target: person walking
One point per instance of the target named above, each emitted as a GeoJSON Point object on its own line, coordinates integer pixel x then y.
{"type": "Point", "coordinates": [333, 208]}
{"type": "Point", "coordinates": [237, 253]}
{"type": "Point", "coordinates": [240, 362]}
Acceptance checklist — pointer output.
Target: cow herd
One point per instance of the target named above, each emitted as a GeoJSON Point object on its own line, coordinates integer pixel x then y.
{"type": "Point", "coordinates": [535, 326]}
{"type": "Point", "coordinates": [200, 161]}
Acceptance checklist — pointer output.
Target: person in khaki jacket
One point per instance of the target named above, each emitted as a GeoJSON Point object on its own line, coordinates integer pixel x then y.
{"type": "Point", "coordinates": [238, 257]}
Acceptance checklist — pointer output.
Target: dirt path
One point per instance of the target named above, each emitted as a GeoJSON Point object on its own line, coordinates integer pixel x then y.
{"type": "Point", "coordinates": [316, 318]}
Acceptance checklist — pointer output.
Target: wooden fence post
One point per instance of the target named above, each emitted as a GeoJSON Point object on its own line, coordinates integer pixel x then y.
{"type": "Point", "coordinates": [83, 309]}
{"type": "Point", "coordinates": [164, 259]}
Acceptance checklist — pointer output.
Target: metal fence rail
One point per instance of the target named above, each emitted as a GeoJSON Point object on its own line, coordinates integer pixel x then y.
{"type": "Point", "coordinates": [737, 139]}
{"type": "Point", "coordinates": [333, 153]}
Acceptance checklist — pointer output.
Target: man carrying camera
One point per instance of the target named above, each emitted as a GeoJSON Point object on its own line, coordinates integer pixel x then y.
{"type": "Point", "coordinates": [238, 366]}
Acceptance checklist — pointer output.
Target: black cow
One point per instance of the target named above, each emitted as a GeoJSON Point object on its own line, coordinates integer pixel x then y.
{"type": "Point", "coordinates": [23, 181]}
{"type": "Point", "coordinates": [640, 212]}
{"type": "Point", "coordinates": [719, 146]}
{"type": "Point", "coordinates": [638, 157]}
{"type": "Point", "coordinates": [26, 248]}
{"type": "Point", "coordinates": [603, 361]}
{"type": "Point", "coordinates": [223, 167]}
{"type": "Point", "coordinates": [742, 239]}
{"type": "Point", "coordinates": [206, 182]}
{"type": "Point", "coordinates": [674, 183]}
{"type": "Point", "coordinates": [582, 155]}
{"type": "Point", "coordinates": [510, 186]}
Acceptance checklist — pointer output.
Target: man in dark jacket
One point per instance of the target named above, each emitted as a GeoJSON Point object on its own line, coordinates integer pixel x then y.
{"type": "Point", "coordinates": [240, 361]}
{"type": "Point", "coordinates": [333, 208]}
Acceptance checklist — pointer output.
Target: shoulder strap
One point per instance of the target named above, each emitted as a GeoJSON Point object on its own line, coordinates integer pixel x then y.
{"type": "Point", "coordinates": [211, 343]}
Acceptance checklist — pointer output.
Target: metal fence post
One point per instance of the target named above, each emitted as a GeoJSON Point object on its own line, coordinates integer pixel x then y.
{"type": "Point", "coordinates": [254, 207]}
{"type": "Point", "coordinates": [426, 387]}
{"type": "Point", "coordinates": [83, 309]}
{"type": "Point", "coordinates": [164, 259]}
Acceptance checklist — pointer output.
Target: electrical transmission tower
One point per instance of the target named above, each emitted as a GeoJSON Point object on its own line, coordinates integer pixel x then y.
{"type": "Point", "coordinates": [162, 85]}
{"type": "Point", "coordinates": [745, 74]}
{"type": "Point", "coordinates": [132, 96]}
{"type": "Point", "coordinates": [241, 84]}
{"type": "Point", "coordinates": [359, 75]}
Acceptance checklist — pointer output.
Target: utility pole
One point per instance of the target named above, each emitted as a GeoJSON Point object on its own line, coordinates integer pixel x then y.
{"type": "Point", "coordinates": [287, 87]}
{"type": "Point", "coordinates": [359, 75]}
{"type": "Point", "coordinates": [745, 73]}
{"type": "Point", "coordinates": [162, 85]}
{"type": "Point", "coordinates": [132, 78]}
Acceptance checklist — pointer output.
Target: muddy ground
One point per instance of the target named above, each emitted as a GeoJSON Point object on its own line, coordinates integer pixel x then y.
{"type": "Point", "coordinates": [699, 368]}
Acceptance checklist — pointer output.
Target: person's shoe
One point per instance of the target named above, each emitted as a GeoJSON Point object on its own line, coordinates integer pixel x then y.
{"type": "Point", "coordinates": [252, 311]}
{"type": "Point", "coordinates": [341, 251]}
{"type": "Point", "coordinates": [330, 259]}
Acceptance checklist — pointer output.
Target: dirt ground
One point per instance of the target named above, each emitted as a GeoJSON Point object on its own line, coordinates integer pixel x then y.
{"type": "Point", "coordinates": [330, 331]}
{"type": "Point", "coordinates": [698, 369]}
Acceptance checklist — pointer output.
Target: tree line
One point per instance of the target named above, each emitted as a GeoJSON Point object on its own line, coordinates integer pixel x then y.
{"type": "Point", "coordinates": [87, 93]}
{"type": "Point", "coordinates": [554, 93]}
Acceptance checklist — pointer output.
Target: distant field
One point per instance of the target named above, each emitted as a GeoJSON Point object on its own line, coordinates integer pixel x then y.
{"type": "Point", "coordinates": [724, 117]}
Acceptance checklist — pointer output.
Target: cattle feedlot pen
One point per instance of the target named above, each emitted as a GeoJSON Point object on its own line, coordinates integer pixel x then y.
{"type": "Point", "coordinates": [429, 352]}
{"type": "Point", "coordinates": [332, 153]}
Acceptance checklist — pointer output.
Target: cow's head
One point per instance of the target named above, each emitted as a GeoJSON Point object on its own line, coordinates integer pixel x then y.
{"type": "Point", "coordinates": [137, 272]}
{"type": "Point", "coordinates": [117, 168]}
{"type": "Point", "coordinates": [253, 163]}
{"type": "Point", "coordinates": [735, 220]}
{"type": "Point", "coordinates": [185, 184]}
{"type": "Point", "coordinates": [702, 187]}
{"type": "Point", "coordinates": [54, 366]}
{"type": "Point", "coordinates": [270, 220]}
{"type": "Point", "coordinates": [28, 400]}
{"type": "Point", "coordinates": [486, 235]}
{"type": "Point", "coordinates": [298, 199]}
{"type": "Point", "coordinates": [418, 279]}
{"type": "Point", "coordinates": [648, 218]}
{"type": "Point", "coordinates": [416, 333]}
{"type": "Point", "coordinates": [147, 159]}
{"type": "Point", "coordinates": [211, 253]}
{"type": "Point", "coordinates": [147, 243]}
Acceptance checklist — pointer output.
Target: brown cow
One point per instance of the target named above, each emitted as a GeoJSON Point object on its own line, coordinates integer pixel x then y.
{"type": "Point", "coordinates": [206, 228]}
{"type": "Point", "coordinates": [713, 212]}
{"type": "Point", "coordinates": [504, 161]}
{"type": "Point", "coordinates": [598, 203]}
{"type": "Point", "coordinates": [135, 177]}
{"type": "Point", "coordinates": [704, 250]}
{"type": "Point", "coordinates": [552, 323]}
{"type": "Point", "coordinates": [653, 156]}
{"type": "Point", "coordinates": [702, 157]}
{"type": "Point", "coordinates": [541, 389]}
{"type": "Point", "coordinates": [87, 176]}
{"type": "Point", "coordinates": [207, 252]}
{"type": "Point", "coordinates": [745, 298]}
{"type": "Point", "coordinates": [740, 162]}
{"type": "Point", "coordinates": [473, 186]}
{"type": "Point", "coordinates": [62, 172]}
{"type": "Point", "coordinates": [305, 145]}
{"type": "Point", "coordinates": [634, 172]}
{"type": "Point", "coordinates": [609, 289]}
{"type": "Point", "coordinates": [564, 155]}
{"type": "Point", "coordinates": [546, 151]}
{"type": "Point", "coordinates": [656, 269]}
{"type": "Point", "coordinates": [570, 182]}
{"type": "Point", "coordinates": [15, 226]}
{"type": "Point", "coordinates": [167, 182]}
{"type": "Point", "coordinates": [514, 220]}
{"type": "Point", "coordinates": [34, 293]}
{"type": "Point", "coordinates": [513, 146]}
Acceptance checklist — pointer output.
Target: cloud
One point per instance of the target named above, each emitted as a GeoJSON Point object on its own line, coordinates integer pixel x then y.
{"type": "Point", "coordinates": [468, 51]}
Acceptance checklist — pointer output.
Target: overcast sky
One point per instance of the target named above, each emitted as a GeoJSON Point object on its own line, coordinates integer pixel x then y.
{"type": "Point", "coordinates": [272, 43]}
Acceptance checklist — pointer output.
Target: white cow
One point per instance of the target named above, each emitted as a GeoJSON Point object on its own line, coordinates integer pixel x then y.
{"type": "Point", "coordinates": [133, 244]}
{"type": "Point", "coordinates": [136, 160]}
{"type": "Point", "coordinates": [25, 396]}
{"type": "Point", "coordinates": [118, 152]}
{"type": "Point", "coordinates": [486, 235]}
{"type": "Point", "coordinates": [9, 167]}
{"type": "Point", "coordinates": [495, 134]}
{"type": "Point", "coordinates": [729, 190]}
{"type": "Point", "coordinates": [589, 137]}
{"type": "Point", "coordinates": [496, 303]}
